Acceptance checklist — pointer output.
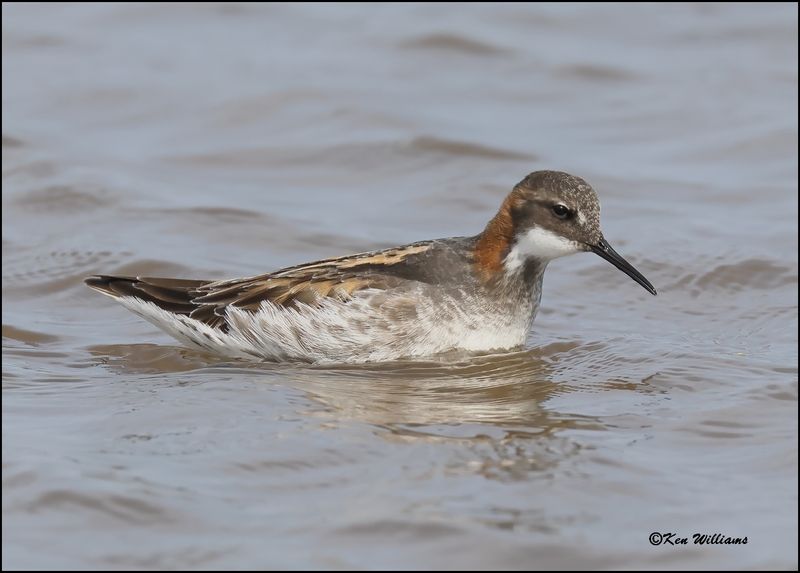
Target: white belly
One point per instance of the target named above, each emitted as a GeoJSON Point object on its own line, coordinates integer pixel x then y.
{"type": "Point", "coordinates": [373, 326]}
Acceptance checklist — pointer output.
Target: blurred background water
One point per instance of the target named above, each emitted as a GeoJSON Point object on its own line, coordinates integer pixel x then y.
{"type": "Point", "coordinates": [225, 139]}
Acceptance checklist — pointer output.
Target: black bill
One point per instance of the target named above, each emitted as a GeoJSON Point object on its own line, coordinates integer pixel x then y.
{"type": "Point", "coordinates": [604, 250]}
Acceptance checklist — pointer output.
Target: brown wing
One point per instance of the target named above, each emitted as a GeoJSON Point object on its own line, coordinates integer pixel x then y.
{"type": "Point", "coordinates": [310, 283]}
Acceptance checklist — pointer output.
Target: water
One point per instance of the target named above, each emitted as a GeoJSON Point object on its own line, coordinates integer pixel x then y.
{"type": "Point", "coordinates": [223, 140]}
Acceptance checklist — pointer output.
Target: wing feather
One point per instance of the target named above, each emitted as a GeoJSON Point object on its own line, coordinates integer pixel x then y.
{"type": "Point", "coordinates": [310, 283]}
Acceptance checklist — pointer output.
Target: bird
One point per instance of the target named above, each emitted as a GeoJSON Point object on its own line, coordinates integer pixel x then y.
{"type": "Point", "coordinates": [475, 294]}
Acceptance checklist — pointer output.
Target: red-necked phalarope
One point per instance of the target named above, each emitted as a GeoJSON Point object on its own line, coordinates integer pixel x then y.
{"type": "Point", "coordinates": [476, 293]}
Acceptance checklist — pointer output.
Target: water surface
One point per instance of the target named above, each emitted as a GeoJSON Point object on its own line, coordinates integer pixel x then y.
{"type": "Point", "coordinates": [221, 140]}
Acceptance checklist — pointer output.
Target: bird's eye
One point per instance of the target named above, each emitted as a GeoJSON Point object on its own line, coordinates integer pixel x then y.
{"type": "Point", "coordinates": [561, 211]}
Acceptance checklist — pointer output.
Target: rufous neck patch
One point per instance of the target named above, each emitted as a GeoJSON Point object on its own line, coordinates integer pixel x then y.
{"type": "Point", "coordinates": [495, 241]}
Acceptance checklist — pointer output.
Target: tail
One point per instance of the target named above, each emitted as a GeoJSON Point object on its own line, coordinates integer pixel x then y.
{"type": "Point", "coordinates": [174, 296]}
{"type": "Point", "coordinates": [164, 302]}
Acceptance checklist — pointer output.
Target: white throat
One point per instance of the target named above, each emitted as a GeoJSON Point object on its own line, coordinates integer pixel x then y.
{"type": "Point", "coordinates": [540, 244]}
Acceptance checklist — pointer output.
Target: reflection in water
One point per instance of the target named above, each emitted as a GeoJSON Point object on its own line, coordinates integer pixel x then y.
{"type": "Point", "coordinates": [491, 407]}
{"type": "Point", "coordinates": [150, 358]}
{"type": "Point", "coordinates": [507, 389]}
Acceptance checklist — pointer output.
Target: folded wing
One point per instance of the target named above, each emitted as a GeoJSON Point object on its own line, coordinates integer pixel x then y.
{"type": "Point", "coordinates": [207, 301]}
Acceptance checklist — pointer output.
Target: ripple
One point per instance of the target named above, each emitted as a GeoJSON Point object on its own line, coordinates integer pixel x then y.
{"type": "Point", "coordinates": [11, 142]}
{"type": "Point", "coordinates": [29, 337]}
{"type": "Point", "coordinates": [751, 273]}
{"type": "Point", "coordinates": [150, 268]}
{"type": "Point", "coordinates": [596, 73]}
{"type": "Point", "coordinates": [58, 200]}
{"type": "Point", "coordinates": [192, 557]}
{"type": "Point", "coordinates": [406, 529]}
{"type": "Point", "coordinates": [453, 43]}
{"type": "Point", "coordinates": [366, 155]}
{"type": "Point", "coordinates": [716, 274]}
{"type": "Point", "coordinates": [150, 358]}
{"type": "Point", "coordinates": [34, 169]}
{"type": "Point", "coordinates": [464, 149]}
{"type": "Point", "coordinates": [124, 508]}
{"type": "Point", "coordinates": [223, 214]}
{"type": "Point", "coordinates": [52, 272]}
{"type": "Point", "coordinates": [19, 41]}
